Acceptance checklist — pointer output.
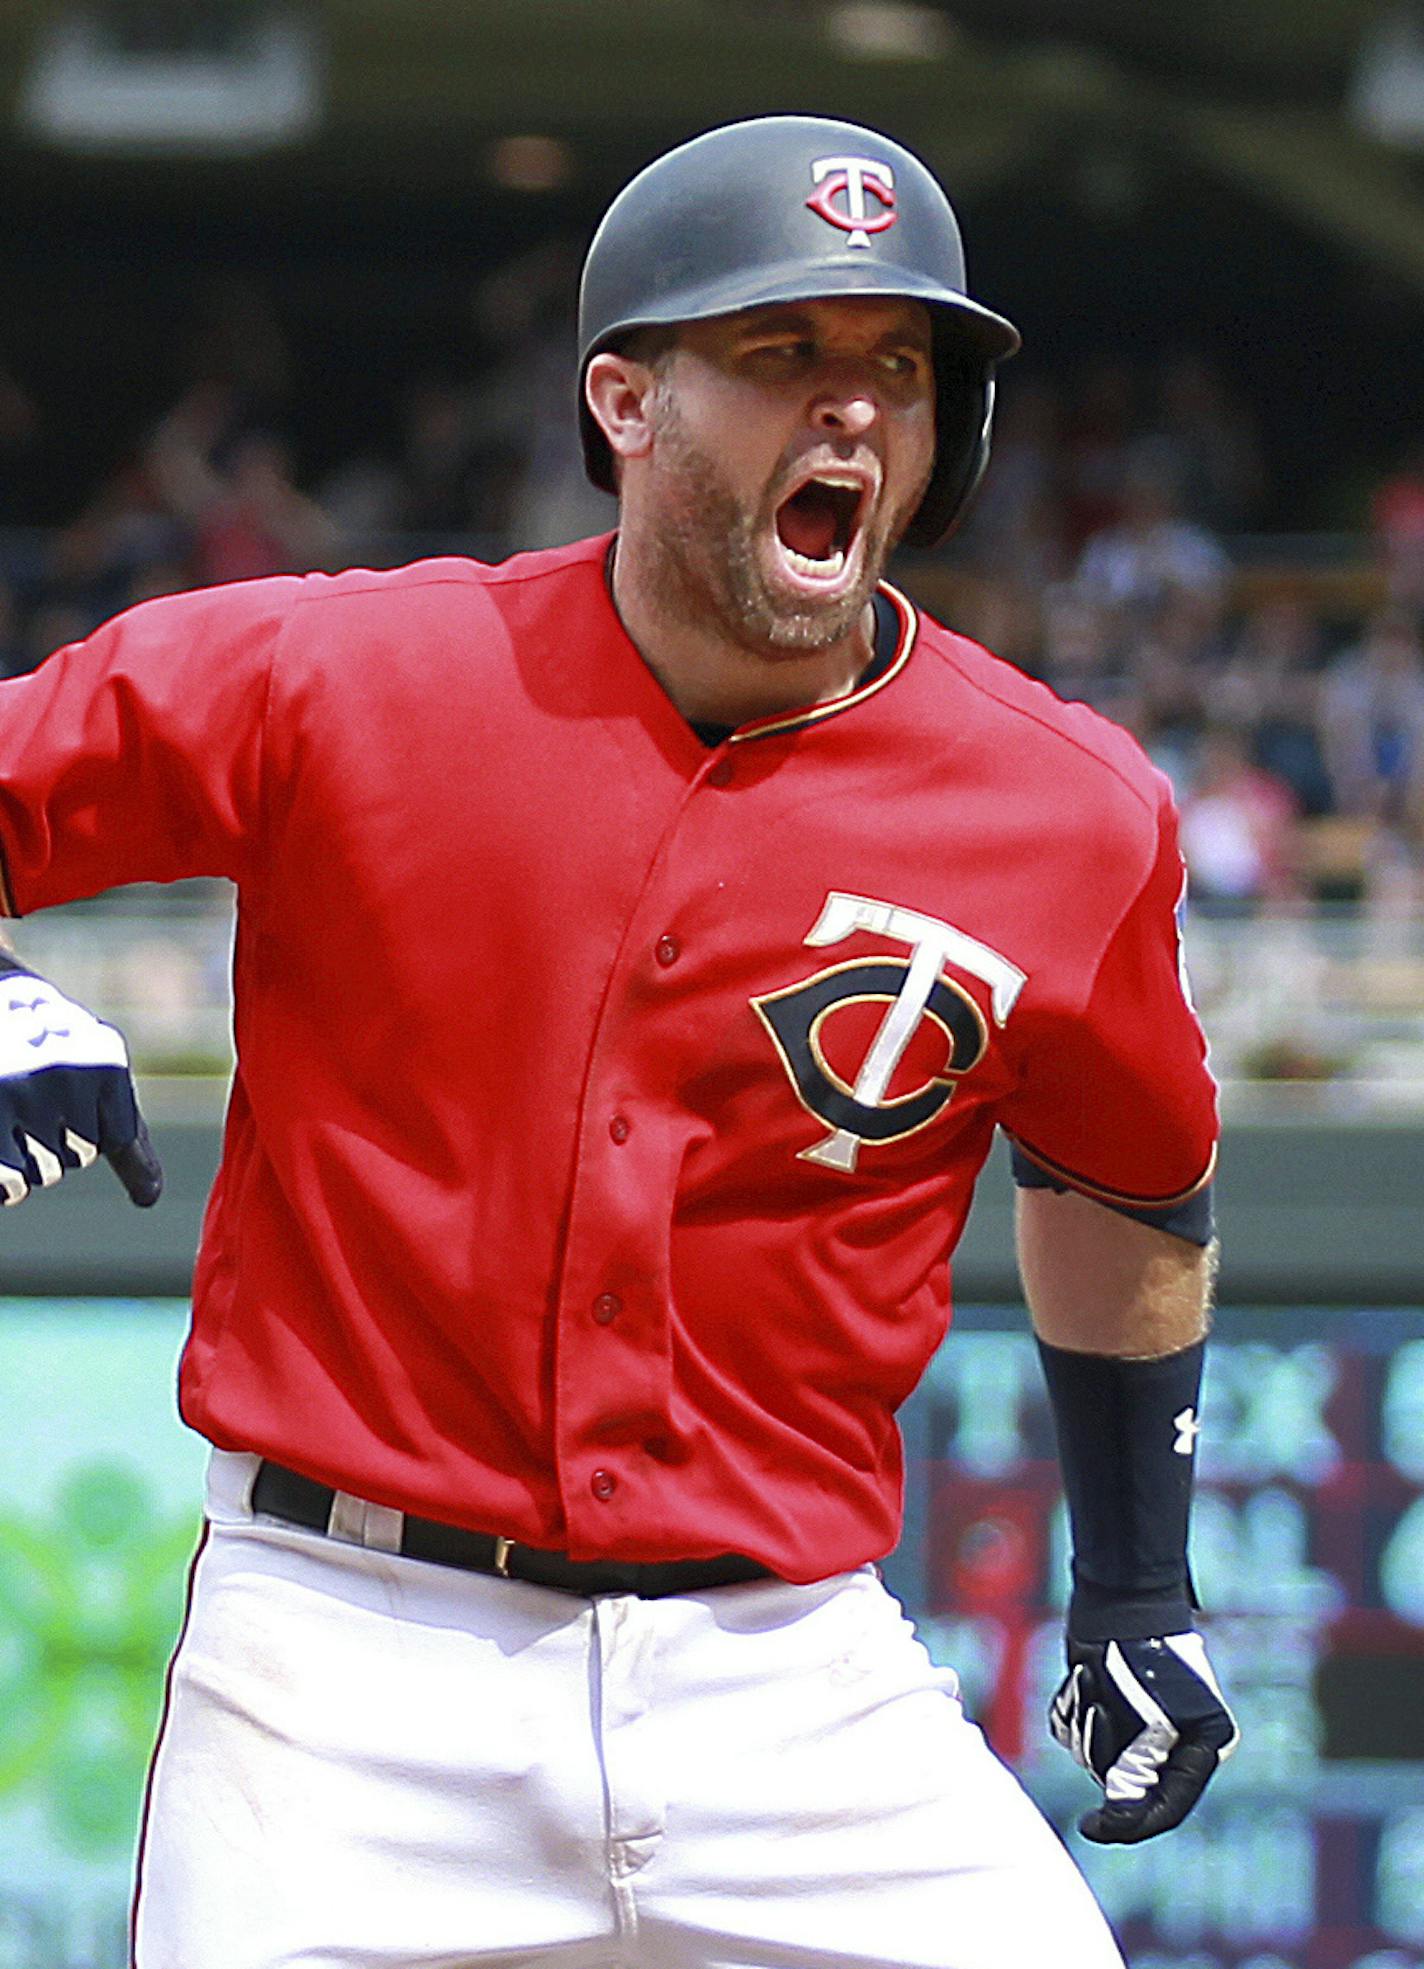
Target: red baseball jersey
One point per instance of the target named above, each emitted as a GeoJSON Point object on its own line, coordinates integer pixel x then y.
{"type": "Point", "coordinates": [608, 1105]}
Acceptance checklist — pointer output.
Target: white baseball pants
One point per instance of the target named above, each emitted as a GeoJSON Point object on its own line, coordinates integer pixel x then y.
{"type": "Point", "coordinates": [368, 1762]}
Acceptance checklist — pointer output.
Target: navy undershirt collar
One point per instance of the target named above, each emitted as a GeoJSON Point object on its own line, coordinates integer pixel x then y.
{"type": "Point", "coordinates": [887, 642]}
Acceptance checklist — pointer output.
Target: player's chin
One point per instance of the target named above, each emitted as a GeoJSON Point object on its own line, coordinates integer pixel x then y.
{"type": "Point", "coordinates": [799, 629]}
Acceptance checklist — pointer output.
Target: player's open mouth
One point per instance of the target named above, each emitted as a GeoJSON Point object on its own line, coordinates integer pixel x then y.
{"type": "Point", "coordinates": [819, 528]}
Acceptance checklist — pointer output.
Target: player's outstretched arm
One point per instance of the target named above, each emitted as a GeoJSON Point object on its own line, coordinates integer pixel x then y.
{"type": "Point", "coordinates": [66, 1093]}
{"type": "Point", "coordinates": [1121, 1312]}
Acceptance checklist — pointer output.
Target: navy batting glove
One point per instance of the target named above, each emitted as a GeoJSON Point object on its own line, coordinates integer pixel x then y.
{"type": "Point", "coordinates": [66, 1094]}
{"type": "Point", "coordinates": [1148, 1719]}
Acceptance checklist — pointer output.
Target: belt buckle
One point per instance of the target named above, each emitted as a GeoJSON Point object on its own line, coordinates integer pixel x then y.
{"type": "Point", "coordinates": [502, 1549]}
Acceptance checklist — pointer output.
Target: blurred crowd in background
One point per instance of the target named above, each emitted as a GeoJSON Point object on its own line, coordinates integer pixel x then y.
{"type": "Point", "coordinates": [1121, 549]}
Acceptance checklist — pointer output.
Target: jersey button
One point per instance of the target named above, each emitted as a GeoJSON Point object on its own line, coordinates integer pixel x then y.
{"type": "Point", "coordinates": [618, 1128]}
{"type": "Point", "coordinates": [606, 1308]}
{"type": "Point", "coordinates": [667, 950]}
{"type": "Point", "coordinates": [719, 773]}
{"type": "Point", "coordinates": [603, 1483]}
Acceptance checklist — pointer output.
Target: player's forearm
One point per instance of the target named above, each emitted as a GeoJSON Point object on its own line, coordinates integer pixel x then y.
{"type": "Point", "coordinates": [1121, 1314]}
{"type": "Point", "coordinates": [1120, 1310]}
{"type": "Point", "coordinates": [1097, 1282]}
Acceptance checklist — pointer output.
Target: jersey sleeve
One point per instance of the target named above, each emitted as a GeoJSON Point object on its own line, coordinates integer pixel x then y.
{"type": "Point", "coordinates": [137, 754]}
{"type": "Point", "coordinates": [1116, 1100]}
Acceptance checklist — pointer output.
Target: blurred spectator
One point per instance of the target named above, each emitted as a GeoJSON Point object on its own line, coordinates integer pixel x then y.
{"type": "Point", "coordinates": [1098, 431]}
{"type": "Point", "coordinates": [1237, 826]}
{"type": "Point", "coordinates": [1092, 557]}
{"type": "Point", "coordinates": [1152, 555]}
{"type": "Point", "coordinates": [1287, 741]}
{"type": "Point", "coordinates": [100, 561]}
{"type": "Point", "coordinates": [499, 461]}
{"type": "Point", "coordinates": [257, 522]}
{"type": "Point", "coordinates": [1373, 723]}
{"type": "Point", "coordinates": [1188, 623]}
{"type": "Point", "coordinates": [82, 576]}
{"type": "Point", "coordinates": [1397, 522]}
{"type": "Point", "coordinates": [1170, 707]}
{"type": "Point", "coordinates": [1077, 657]}
{"type": "Point", "coordinates": [1270, 682]}
{"type": "Point", "coordinates": [450, 478]}
{"type": "Point", "coordinates": [1015, 525]}
{"type": "Point", "coordinates": [1279, 633]}
{"type": "Point", "coordinates": [527, 408]}
{"type": "Point", "coordinates": [1004, 617]}
{"type": "Point", "coordinates": [1205, 438]}
{"type": "Point", "coordinates": [438, 470]}
{"type": "Point", "coordinates": [236, 497]}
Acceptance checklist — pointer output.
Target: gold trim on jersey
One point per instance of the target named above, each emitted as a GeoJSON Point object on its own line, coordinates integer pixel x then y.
{"type": "Point", "coordinates": [887, 1100]}
{"type": "Point", "coordinates": [793, 720]}
{"type": "Point", "coordinates": [1101, 1193]}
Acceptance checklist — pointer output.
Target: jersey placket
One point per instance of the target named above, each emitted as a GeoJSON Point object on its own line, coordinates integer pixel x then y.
{"type": "Point", "coordinates": [613, 1369]}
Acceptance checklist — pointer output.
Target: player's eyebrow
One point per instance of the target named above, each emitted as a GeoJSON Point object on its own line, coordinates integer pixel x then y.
{"type": "Point", "coordinates": [774, 321]}
{"type": "Point", "coordinates": [907, 331]}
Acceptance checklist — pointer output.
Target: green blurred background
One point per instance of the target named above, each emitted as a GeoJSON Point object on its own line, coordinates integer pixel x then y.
{"type": "Point", "coordinates": [100, 1493]}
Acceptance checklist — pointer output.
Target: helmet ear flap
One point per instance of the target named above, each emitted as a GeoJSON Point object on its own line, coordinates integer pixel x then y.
{"type": "Point", "coordinates": [964, 418]}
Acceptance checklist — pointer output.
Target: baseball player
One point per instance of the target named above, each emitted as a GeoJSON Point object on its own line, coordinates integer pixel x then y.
{"type": "Point", "coordinates": [639, 944]}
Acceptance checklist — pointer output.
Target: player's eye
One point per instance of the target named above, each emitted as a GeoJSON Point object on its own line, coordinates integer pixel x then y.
{"type": "Point", "coordinates": [786, 352]}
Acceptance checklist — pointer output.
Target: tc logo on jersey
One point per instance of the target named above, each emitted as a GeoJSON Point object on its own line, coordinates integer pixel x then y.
{"type": "Point", "coordinates": [854, 180]}
{"type": "Point", "coordinates": [860, 1109]}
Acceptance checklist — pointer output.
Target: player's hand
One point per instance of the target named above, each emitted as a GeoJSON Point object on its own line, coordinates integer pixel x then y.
{"type": "Point", "coordinates": [1148, 1719]}
{"type": "Point", "coordinates": [66, 1094]}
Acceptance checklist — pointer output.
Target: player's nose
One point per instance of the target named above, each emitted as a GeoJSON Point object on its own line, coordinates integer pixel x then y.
{"type": "Point", "coordinates": [845, 412]}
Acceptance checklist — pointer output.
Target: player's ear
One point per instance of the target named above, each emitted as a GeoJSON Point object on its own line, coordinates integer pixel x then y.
{"type": "Point", "coordinates": [620, 394]}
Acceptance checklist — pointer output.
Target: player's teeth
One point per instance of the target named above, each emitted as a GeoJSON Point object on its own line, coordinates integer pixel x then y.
{"type": "Point", "coordinates": [803, 563]}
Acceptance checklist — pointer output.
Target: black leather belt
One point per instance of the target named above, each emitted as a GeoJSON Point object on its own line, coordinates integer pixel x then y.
{"type": "Point", "coordinates": [297, 1500]}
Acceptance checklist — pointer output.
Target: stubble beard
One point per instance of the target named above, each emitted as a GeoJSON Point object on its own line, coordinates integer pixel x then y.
{"type": "Point", "coordinates": [705, 565]}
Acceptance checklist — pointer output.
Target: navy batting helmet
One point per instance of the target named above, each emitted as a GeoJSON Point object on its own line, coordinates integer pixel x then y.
{"type": "Point", "coordinates": [798, 208]}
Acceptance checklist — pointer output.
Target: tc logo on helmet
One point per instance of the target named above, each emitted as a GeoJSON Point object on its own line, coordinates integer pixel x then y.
{"type": "Point", "coordinates": [854, 181]}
